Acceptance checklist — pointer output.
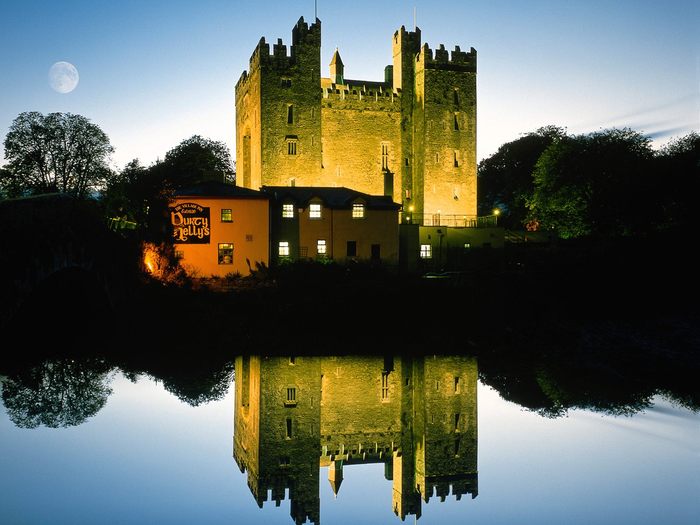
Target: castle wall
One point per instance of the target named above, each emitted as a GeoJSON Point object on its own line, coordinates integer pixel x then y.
{"type": "Point", "coordinates": [355, 418]}
{"type": "Point", "coordinates": [356, 122]}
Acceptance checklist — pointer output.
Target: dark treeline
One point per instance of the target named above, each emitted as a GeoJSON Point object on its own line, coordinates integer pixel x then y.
{"type": "Point", "coordinates": [608, 183]}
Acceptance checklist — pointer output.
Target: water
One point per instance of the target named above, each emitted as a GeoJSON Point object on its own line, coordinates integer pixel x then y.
{"type": "Point", "coordinates": [128, 450]}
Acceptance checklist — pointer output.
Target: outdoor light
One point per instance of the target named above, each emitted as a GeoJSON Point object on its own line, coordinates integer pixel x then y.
{"type": "Point", "coordinates": [496, 211]}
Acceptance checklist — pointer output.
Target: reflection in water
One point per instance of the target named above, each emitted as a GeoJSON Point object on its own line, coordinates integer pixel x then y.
{"type": "Point", "coordinates": [418, 416]}
{"type": "Point", "coordinates": [57, 392]}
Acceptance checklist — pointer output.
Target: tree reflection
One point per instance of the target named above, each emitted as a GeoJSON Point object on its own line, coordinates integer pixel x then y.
{"type": "Point", "coordinates": [57, 392]}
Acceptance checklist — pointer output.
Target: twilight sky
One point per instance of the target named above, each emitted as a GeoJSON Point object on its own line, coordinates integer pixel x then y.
{"type": "Point", "coordinates": [155, 72]}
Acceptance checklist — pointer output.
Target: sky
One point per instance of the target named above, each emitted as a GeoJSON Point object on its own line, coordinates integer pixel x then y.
{"type": "Point", "coordinates": [153, 72]}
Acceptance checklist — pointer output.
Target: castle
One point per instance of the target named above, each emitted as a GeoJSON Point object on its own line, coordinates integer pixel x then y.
{"type": "Point", "coordinates": [417, 416]}
{"type": "Point", "coordinates": [411, 137]}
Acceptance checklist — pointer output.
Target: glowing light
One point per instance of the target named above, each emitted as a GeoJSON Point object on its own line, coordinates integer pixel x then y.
{"type": "Point", "coordinates": [410, 208]}
{"type": "Point", "coordinates": [496, 211]}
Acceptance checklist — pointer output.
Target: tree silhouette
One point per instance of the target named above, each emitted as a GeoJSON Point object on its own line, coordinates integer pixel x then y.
{"type": "Point", "coordinates": [595, 184]}
{"type": "Point", "coordinates": [58, 152]}
{"type": "Point", "coordinates": [505, 178]}
{"type": "Point", "coordinates": [57, 393]}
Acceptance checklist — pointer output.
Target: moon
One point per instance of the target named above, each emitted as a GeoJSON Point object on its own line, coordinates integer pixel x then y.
{"type": "Point", "coordinates": [63, 77]}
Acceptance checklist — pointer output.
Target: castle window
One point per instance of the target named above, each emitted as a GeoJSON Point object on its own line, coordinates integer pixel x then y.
{"type": "Point", "coordinates": [225, 253]}
{"type": "Point", "coordinates": [457, 440]}
{"type": "Point", "coordinates": [467, 246]}
{"type": "Point", "coordinates": [352, 249]}
{"type": "Point", "coordinates": [457, 385]}
{"type": "Point", "coordinates": [286, 82]}
{"type": "Point", "coordinates": [226, 215]}
{"type": "Point", "coordinates": [385, 156]}
{"type": "Point", "coordinates": [291, 396]}
{"type": "Point", "coordinates": [288, 211]}
{"type": "Point", "coordinates": [426, 251]}
{"type": "Point", "coordinates": [456, 159]}
{"type": "Point", "coordinates": [292, 360]}
{"type": "Point", "coordinates": [385, 386]}
{"type": "Point", "coordinates": [358, 210]}
{"type": "Point", "coordinates": [249, 237]}
{"type": "Point", "coordinates": [290, 114]}
{"type": "Point", "coordinates": [456, 97]}
{"type": "Point", "coordinates": [289, 428]}
{"type": "Point", "coordinates": [456, 122]}
{"type": "Point", "coordinates": [456, 422]}
{"type": "Point", "coordinates": [321, 247]}
{"type": "Point", "coordinates": [179, 255]}
{"type": "Point", "coordinates": [405, 161]}
{"type": "Point", "coordinates": [291, 147]}
{"type": "Point", "coordinates": [283, 249]}
{"type": "Point", "coordinates": [437, 158]}
{"type": "Point", "coordinates": [314, 211]}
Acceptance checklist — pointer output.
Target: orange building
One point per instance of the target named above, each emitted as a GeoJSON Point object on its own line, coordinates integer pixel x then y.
{"type": "Point", "coordinates": [220, 229]}
{"type": "Point", "coordinates": [338, 224]}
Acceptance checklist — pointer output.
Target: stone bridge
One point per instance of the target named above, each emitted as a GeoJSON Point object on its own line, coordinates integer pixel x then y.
{"type": "Point", "coordinates": [50, 239]}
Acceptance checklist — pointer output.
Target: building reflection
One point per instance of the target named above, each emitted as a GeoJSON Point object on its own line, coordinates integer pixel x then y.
{"type": "Point", "coordinates": [418, 416]}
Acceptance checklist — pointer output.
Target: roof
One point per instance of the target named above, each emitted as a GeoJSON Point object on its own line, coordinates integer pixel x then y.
{"type": "Point", "coordinates": [212, 188]}
{"type": "Point", "coordinates": [332, 197]}
{"type": "Point", "coordinates": [336, 58]}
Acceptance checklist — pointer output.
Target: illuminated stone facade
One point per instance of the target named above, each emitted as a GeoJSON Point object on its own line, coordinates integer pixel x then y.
{"type": "Point", "coordinates": [411, 137]}
{"type": "Point", "coordinates": [418, 416]}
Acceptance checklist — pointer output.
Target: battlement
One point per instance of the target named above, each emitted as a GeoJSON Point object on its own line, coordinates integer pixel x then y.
{"type": "Point", "coordinates": [381, 94]}
{"type": "Point", "coordinates": [401, 35]}
{"type": "Point", "coordinates": [281, 58]}
{"type": "Point", "coordinates": [456, 486]}
{"type": "Point", "coordinates": [440, 58]}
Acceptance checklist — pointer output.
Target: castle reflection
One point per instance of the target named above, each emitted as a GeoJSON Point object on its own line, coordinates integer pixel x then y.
{"type": "Point", "coordinates": [418, 416]}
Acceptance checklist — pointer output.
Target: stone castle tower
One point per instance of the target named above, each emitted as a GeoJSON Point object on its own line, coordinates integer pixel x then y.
{"type": "Point", "coordinates": [412, 136]}
{"type": "Point", "coordinates": [415, 415]}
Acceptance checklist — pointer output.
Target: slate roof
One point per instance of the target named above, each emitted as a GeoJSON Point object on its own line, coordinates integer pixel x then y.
{"type": "Point", "coordinates": [332, 197]}
{"type": "Point", "coordinates": [212, 188]}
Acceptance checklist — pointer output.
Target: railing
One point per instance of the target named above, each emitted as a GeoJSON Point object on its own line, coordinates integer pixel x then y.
{"type": "Point", "coordinates": [456, 221]}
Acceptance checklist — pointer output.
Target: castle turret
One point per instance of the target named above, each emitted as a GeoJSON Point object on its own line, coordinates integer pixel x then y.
{"type": "Point", "coordinates": [337, 75]}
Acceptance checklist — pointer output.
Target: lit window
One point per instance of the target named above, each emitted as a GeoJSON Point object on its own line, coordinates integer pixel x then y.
{"type": "Point", "coordinates": [385, 386]}
{"type": "Point", "coordinates": [291, 147]}
{"type": "Point", "coordinates": [288, 211]}
{"type": "Point", "coordinates": [179, 255]}
{"type": "Point", "coordinates": [226, 215]}
{"type": "Point", "coordinates": [426, 251]}
{"type": "Point", "coordinates": [358, 211]}
{"type": "Point", "coordinates": [283, 249]}
{"type": "Point", "coordinates": [314, 211]}
{"type": "Point", "coordinates": [321, 246]}
{"type": "Point", "coordinates": [225, 253]}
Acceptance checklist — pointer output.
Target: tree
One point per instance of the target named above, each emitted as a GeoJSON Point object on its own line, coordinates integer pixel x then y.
{"type": "Point", "coordinates": [196, 159]}
{"type": "Point", "coordinates": [595, 184]}
{"type": "Point", "coordinates": [505, 178]}
{"type": "Point", "coordinates": [678, 168]}
{"type": "Point", "coordinates": [57, 392]}
{"type": "Point", "coordinates": [58, 152]}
